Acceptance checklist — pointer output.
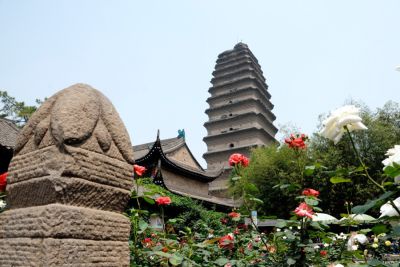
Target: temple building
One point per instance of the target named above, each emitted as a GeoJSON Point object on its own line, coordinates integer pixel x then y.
{"type": "Point", "coordinates": [8, 138]}
{"type": "Point", "coordinates": [240, 114]}
{"type": "Point", "coordinates": [171, 164]}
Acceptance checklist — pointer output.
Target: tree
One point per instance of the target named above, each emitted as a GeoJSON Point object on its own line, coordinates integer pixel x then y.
{"type": "Point", "coordinates": [274, 170]}
{"type": "Point", "coordinates": [15, 110]}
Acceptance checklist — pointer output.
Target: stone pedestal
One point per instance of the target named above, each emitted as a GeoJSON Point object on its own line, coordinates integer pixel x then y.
{"type": "Point", "coordinates": [69, 183]}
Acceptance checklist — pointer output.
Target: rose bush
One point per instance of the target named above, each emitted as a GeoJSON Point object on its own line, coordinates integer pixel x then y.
{"type": "Point", "coordinates": [299, 240]}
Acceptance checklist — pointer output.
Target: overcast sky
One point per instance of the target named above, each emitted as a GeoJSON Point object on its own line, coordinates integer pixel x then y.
{"type": "Point", "coordinates": [154, 59]}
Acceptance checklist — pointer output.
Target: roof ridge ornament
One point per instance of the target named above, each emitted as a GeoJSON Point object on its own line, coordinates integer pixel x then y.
{"type": "Point", "coordinates": [181, 133]}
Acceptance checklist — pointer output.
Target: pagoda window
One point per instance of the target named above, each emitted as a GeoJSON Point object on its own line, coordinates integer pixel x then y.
{"type": "Point", "coordinates": [231, 145]}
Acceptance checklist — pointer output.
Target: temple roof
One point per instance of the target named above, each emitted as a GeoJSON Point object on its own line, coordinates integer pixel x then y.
{"type": "Point", "coordinates": [8, 133]}
{"type": "Point", "coordinates": [166, 150]}
{"type": "Point", "coordinates": [167, 145]}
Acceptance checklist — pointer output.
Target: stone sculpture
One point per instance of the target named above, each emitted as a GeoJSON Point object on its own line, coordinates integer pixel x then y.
{"type": "Point", "coordinates": [69, 181]}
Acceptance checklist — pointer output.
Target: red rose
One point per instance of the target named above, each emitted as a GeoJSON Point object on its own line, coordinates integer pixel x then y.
{"type": "Point", "coordinates": [303, 210]}
{"type": "Point", "coordinates": [147, 240]}
{"type": "Point", "coordinates": [237, 158]}
{"type": "Point", "coordinates": [226, 241]}
{"type": "Point", "coordinates": [164, 249]}
{"type": "Point", "coordinates": [323, 253]}
{"type": "Point", "coordinates": [163, 201]}
{"type": "Point", "coordinates": [139, 170]}
{"type": "Point", "coordinates": [245, 161]}
{"type": "Point", "coordinates": [234, 214]}
{"type": "Point", "coordinates": [224, 220]}
{"type": "Point", "coordinates": [3, 181]}
{"type": "Point", "coordinates": [236, 231]}
{"type": "Point", "coordinates": [310, 192]}
{"type": "Point", "coordinates": [296, 142]}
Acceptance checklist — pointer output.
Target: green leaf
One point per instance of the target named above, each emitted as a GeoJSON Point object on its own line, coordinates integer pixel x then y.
{"type": "Point", "coordinates": [371, 203]}
{"type": "Point", "coordinates": [309, 170]}
{"type": "Point", "coordinates": [365, 231]}
{"type": "Point", "coordinates": [392, 171]}
{"type": "Point", "coordinates": [149, 200]}
{"type": "Point", "coordinates": [379, 229]}
{"type": "Point", "coordinates": [396, 230]}
{"type": "Point", "coordinates": [291, 261]}
{"type": "Point", "coordinates": [316, 225]}
{"type": "Point", "coordinates": [161, 254]}
{"type": "Point", "coordinates": [311, 201]}
{"type": "Point", "coordinates": [143, 225]}
{"type": "Point", "coordinates": [257, 200]}
{"type": "Point", "coordinates": [175, 260]}
{"type": "Point", "coordinates": [360, 209]}
{"type": "Point", "coordinates": [221, 261]}
{"type": "Point", "coordinates": [337, 180]}
{"type": "Point", "coordinates": [317, 209]}
{"type": "Point", "coordinates": [376, 263]}
{"type": "Point", "coordinates": [236, 178]}
{"type": "Point", "coordinates": [281, 224]}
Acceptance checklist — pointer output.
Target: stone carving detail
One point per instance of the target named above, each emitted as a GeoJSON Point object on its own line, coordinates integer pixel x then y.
{"type": "Point", "coordinates": [69, 181]}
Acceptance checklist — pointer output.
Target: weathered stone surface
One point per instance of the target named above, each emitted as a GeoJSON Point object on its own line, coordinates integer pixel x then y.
{"type": "Point", "coordinates": [79, 163]}
{"type": "Point", "coordinates": [62, 221]}
{"type": "Point", "coordinates": [62, 252]}
{"type": "Point", "coordinates": [73, 117]}
{"type": "Point", "coordinates": [69, 181]}
{"type": "Point", "coordinates": [69, 191]}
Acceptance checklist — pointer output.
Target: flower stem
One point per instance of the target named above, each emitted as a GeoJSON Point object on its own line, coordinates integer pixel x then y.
{"type": "Point", "coordinates": [366, 171]}
{"type": "Point", "coordinates": [162, 216]}
{"type": "Point", "coordinates": [137, 191]}
{"type": "Point", "coordinates": [362, 163]}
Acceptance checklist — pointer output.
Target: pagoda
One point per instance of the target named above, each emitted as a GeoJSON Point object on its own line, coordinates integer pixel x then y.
{"type": "Point", "coordinates": [240, 111]}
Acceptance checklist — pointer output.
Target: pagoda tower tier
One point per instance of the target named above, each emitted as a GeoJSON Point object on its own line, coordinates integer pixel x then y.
{"type": "Point", "coordinates": [240, 111]}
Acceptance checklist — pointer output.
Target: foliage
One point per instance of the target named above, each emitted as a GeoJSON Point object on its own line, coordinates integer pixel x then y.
{"type": "Point", "coordinates": [276, 172]}
{"type": "Point", "coordinates": [277, 175]}
{"type": "Point", "coordinates": [14, 110]}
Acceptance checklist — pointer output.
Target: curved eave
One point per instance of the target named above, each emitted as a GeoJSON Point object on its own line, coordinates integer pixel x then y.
{"type": "Point", "coordinates": [263, 86]}
{"type": "Point", "coordinates": [239, 91]}
{"type": "Point", "coordinates": [233, 54]}
{"type": "Point", "coordinates": [229, 150]}
{"type": "Point", "coordinates": [272, 115]}
{"type": "Point", "coordinates": [216, 136]}
{"type": "Point", "coordinates": [235, 72]}
{"type": "Point", "coordinates": [211, 199]}
{"type": "Point", "coordinates": [233, 118]}
{"type": "Point", "coordinates": [157, 152]}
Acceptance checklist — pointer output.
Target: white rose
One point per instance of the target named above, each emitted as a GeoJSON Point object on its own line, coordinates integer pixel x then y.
{"type": "Point", "coordinates": [339, 265]}
{"type": "Point", "coordinates": [388, 210]}
{"type": "Point", "coordinates": [361, 238]}
{"type": "Point", "coordinates": [2, 204]}
{"type": "Point", "coordinates": [393, 156]}
{"type": "Point", "coordinates": [344, 116]}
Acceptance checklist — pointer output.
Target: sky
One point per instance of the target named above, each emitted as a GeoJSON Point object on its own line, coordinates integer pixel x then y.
{"type": "Point", "coordinates": [154, 59]}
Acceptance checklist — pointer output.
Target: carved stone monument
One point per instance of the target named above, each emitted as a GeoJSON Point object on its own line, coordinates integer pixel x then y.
{"type": "Point", "coordinates": [69, 181]}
